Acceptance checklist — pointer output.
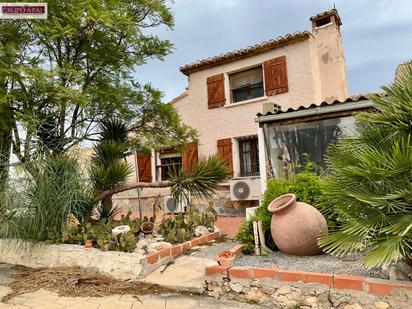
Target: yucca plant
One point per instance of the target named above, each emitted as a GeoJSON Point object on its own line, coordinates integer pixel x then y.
{"type": "Point", "coordinates": [108, 168]}
{"type": "Point", "coordinates": [369, 189]}
{"type": "Point", "coordinates": [201, 181]}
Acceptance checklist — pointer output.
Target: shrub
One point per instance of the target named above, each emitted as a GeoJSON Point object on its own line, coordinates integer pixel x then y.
{"type": "Point", "coordinates": [306, 186]}
{"type": "Point", "coordinates": [369, 189]}
{"type": "Point", "coordinates": [39, 204]}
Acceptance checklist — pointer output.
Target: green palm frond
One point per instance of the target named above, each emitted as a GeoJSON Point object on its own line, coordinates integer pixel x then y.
{"type": "Point", "coordinates": [113, 129]}
{"type": "Point", "coordinates": [108, 168]}
{"type": "Point", "coordinates": [369, 187]}
{"type": "Point", "coordinates": [201, 181]}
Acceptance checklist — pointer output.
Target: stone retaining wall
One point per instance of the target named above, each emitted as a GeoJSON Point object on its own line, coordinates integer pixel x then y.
{"type": "Point", "coordinates": [300, 289]}
{"type": "Point", "coordinates": [221, 198]}
{"type": "Point", "coordinates": [120, 265]}
{"type": "Point", "coordinates": [294, 289]}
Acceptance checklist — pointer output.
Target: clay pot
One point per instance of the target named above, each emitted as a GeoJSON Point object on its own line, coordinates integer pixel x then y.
{"type": "Point", "coordinates": [88, 243]}
{"type": "Point", "coordinates": [147, 227]}
{"type": "Point", "coordinates": [296, 226]}
{"type": "Point", "coordinates": [226, 258]}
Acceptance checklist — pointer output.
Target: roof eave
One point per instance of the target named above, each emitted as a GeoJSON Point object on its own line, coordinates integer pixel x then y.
{"type": "Point", "coordinates": [321, 110]}
{"type": "Point", "coordinates": [244, 53]}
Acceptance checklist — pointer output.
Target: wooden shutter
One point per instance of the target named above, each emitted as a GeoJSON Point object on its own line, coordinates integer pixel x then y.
{"type": "Point", "coordinates": [276, 76]}
{"type": "Point", "coordinates": [216, 91]}
{"type": "Point", "coordinates": [224, 151]}
{"type": "Point", "coordinates": [190, 157]}
{"type": "Point", "coordinates": [144, 162]}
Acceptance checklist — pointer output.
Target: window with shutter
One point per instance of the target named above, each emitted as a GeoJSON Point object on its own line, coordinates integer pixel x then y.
{"type": "Point", "coordinates": [276, 77]}
{"type": "Point", "coordinates": [246, 85]}
{"type": "Point", "coordinates": [190, 157]}
{"type": "Point", "coordinates": [144, 162]}
{"type": "Point", "coordinates": [224, 151]}
{"type": "Point", "coordinates": [216, 91]}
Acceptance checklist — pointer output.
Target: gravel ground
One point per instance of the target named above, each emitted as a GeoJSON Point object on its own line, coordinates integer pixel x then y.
{"type": "Point", "coordinates": [349, 265]}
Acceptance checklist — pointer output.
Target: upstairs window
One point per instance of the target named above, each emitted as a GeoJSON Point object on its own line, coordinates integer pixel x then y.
{"type": "Point", "coordinates": [246, 85]}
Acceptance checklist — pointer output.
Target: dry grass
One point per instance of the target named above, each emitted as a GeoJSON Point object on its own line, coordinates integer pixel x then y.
{"type": "Point", "coordinates": [75, 281]}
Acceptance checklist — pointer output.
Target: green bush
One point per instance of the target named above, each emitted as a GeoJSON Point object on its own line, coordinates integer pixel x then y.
{"type": "Point", "coordinates": [38, 204]}
{"type": "Point", "coordinates": [306, 186]}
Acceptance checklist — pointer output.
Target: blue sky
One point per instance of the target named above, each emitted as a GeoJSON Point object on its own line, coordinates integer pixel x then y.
{"type": "Point", "coordinates": [376, 34]}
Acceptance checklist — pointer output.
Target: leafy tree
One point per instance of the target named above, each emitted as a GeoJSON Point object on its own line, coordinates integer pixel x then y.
{"type": "Point", "coordinates": [70, 71]}
{"type": "Point", "coordinates": [369, 189]}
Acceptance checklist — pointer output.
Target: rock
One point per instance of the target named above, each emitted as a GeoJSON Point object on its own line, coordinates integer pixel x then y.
{"type": "Point", "coordinates": [381, 305]}
{"type": "Point", "coordinates": [268, 290]}
{"type": "Point", "coordinates": [311, 301]}
{"type": "Point", "coordinates": [159, 214]}
{"type": "Point", "coordinates": [201, 230]}
{"type": "Point", "coordinates": [156, 246]}
{"type": "Point", "coordinates": [139, 251]}
{"type": "Point", "coordinates": [353, 306]}
{"type": "Point", "coordinates": [284, 290]}
{"type": "Point", "coordinates": [236, 287]}
{"type": "Point", "coordinates": [142, 243]}
{"type": "Point", "coordinates": [121, 229]}
{"type": "Point", "coordinates": [72, 221]}
{"type": "Point", "coordinates": [255, 295]}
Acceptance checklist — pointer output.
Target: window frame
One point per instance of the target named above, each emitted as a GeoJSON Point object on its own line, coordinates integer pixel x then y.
{"type": "Point", "coordinates": [168, 154]}
{"type": "Point", "coordinates": [249, 87]}
{"type": "Point", "coordinates": [254, 156]}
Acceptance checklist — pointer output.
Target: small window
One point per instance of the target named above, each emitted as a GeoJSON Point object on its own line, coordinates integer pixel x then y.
{"type": "Point", "coordinates": [249, 156]}
{"type": "Point", "coordinates": [246, 85]}
{"type": "Point", "coordinates": [170, 163]}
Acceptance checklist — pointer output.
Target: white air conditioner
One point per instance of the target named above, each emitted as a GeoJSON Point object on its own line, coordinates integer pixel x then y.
{"type": "Point", "coordinates": [245, 189]}
{"type": "Point", "coordinates": [171, 206]}
{"type": "Point", "coordinates": [270, 108]}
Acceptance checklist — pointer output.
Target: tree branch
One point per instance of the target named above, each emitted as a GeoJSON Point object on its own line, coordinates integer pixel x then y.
{"type": "Point", "coordinates": [135, 185]}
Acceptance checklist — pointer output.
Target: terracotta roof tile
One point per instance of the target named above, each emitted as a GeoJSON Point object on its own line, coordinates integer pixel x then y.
{"type": "Point", "coordinates": [244, 52]}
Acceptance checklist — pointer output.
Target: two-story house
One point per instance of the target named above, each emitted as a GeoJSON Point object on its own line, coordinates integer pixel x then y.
{"type": "Point", "coordinates": [225, 93]}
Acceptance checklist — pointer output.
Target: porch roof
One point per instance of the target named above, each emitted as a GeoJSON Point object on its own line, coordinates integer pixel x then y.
{"type": "Point", "coordinates": [355, 102]}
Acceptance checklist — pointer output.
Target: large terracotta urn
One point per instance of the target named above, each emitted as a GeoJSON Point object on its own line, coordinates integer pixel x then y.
{"type": "Point", "coordinates": [296, 226]}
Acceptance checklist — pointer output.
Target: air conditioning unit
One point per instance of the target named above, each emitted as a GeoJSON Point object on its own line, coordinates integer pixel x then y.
{"type": "Point", "coordinates": [171, 206]}
{"type": "Point", "coordinates": [245, 189]}
{"type": "Point", "coordinates": [270, 108]}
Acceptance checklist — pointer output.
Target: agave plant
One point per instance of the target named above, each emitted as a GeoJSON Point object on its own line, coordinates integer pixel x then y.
{"type": "Point", "coordinates": [369, 189]}
{"type": "Point", "coordinates": [108, 169]}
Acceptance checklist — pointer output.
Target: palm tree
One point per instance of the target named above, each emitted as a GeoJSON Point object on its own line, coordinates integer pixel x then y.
{"type": "Point", "coordinates": [369, 189]}
{"type": "Point", "coordinates": [108, 169]}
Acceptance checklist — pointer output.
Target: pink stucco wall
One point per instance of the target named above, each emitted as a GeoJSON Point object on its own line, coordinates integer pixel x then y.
{"type": "Point", "coordinates": [316, 72]}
